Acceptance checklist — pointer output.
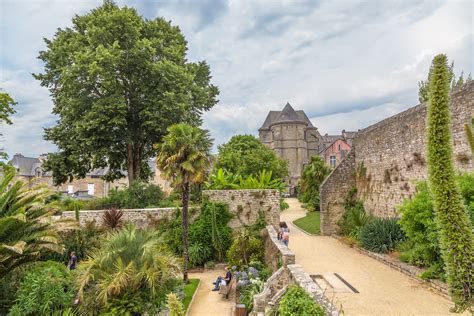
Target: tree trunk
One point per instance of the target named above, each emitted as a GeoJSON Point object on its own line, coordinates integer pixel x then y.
{"type": "Point", "coordinates": [133, 162]}
{"type": "Point", "coordinates": [185, 200]}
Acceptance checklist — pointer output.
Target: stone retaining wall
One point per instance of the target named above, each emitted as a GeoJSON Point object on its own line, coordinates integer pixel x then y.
{"type": "Point", "coordinates": [333, 192]}
{"type": "Point", "coordinates": [276, 253]}
{"type": "Point", "coordinates": [246, 205]}
{"type": "Point", "coordinates": [137, 216]}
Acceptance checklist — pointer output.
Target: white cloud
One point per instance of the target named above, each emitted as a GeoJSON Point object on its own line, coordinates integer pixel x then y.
{"type": "Point", "coordinates": [346, 63]}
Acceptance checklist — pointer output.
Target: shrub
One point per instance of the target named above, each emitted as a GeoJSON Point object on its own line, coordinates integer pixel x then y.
{"type": "Point", "coordinates": [198, 254]}
{"type": "Point", "coordinates": [354, 217]}
{"type": "Point", "coordinates": [245, 248]}
{"type": "Point", "coordinates": [297, 302]}
{"type": "Point", "coordinates": [46, 287]}
{"type": "Point", "coordinates": [249, 291]}
{"type": "Point", "coordinates": [381, 235]}
{"type": "Point", "coordinates": [224, 180]}
{"type": "Point", "coordinates": [312, 177]}
{"type": "Point", "coordinates": [209, 231]}
{"type": "Point", "coordinates": [419, 224]}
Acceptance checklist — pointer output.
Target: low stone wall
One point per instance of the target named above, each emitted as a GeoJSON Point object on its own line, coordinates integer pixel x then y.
{"type": "Point", "coordinates": [137, 216]}
{"type": "Point", "coordinates": [333, 191]}
{"type": "Point", "coordinates": [276, 253]}
{"type": "Point", "coordinates": [246, 205]}
{"type": "Point", "coordinates": [277, 284]}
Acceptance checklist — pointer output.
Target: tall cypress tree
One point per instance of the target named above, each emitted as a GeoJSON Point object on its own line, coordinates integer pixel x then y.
{"type": "Point", "coordinates": [456, 238]}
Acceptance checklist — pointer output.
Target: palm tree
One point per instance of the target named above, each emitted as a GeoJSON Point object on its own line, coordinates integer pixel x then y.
{"type": "Point", "coordinates": [26, 231]}
{"type": "Point", "coordinates": [184, 158]}
{"type": "Point", "coordinates": [129, 261]}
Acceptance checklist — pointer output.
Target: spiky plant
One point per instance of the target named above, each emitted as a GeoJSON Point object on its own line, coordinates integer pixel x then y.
{"type": "Point", "coordinates": [112, 219]}
{"type": "Point", "coordinates": [131, 261]}
{"type": "Point", "coordinates": [26, 230]}
{"type": "Point", "coordinates": [174, 305]}
{"type": "Point", "coordinates": [456, 239]}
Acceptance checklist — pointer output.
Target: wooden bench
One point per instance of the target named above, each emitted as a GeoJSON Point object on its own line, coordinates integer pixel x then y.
{"type": "Point", "coordinates": [226, 289]}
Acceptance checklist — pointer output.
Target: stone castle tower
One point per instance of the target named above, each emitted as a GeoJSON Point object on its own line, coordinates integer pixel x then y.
{"type": "Point", "coordinates": [293, 137]}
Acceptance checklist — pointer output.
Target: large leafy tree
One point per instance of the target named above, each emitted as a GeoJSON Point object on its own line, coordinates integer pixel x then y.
{"type": "Point", "coordinates": [456, 238]}
{"type": "Point", "coordinates": [26, 233]}
{"type": "Point", "coordinates": [313, 176]}
{"type": "Point", "coordinates": [184, 158]}
{"type": "Point", "coordinates": [6, 110]}
{"type": "Point", "coordinates": [246, 155]}
{"type": "Point", "coordinates": [117, 82]}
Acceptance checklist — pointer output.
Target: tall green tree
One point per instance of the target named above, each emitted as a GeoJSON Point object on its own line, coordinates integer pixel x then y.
{"type": "Point", "coordinates": [313, 175]}
{"type": "Point", "coordinates": [6, 110]}
{"type": "Point", "coordinates": [456, 238]}
{"type": "Point", "coordinates": [245, 155]}
{"type": "Point", "coordinates": [118, 81]}
{"type": "Point", "coordinates": [424, 85]}
{"type": "Point", "coordinates": [184, 158]}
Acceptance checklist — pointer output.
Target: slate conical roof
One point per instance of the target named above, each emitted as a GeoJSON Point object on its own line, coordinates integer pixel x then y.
{"type": "Point", "coordinates": [288, 114]}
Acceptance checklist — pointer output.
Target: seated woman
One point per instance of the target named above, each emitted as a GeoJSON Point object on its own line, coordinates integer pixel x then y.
{"type": "Point", "coordinates": [227, 279]}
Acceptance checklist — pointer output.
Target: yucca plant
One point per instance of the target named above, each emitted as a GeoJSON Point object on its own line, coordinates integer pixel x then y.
{"type": "Point", "coordinates": [381, 235]}
{"type": "Point", "coordinates": [112, 219]}
{"type": "Point", "coordinates": [132, 262]}
{"type": "Point", "coordinates": [26, 229]}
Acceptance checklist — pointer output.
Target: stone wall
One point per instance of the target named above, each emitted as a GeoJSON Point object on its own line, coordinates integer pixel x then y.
{"type": "Point", "coordinates": [246, 205]}
{"type": "Point", "coordinates": [137, 216]}
{"type": "Point", "coordinates": [333, 192]}
{"type": "Point", "coordinates": [390, 157]}
{"type": "Point", "coordinates": [276, 253]}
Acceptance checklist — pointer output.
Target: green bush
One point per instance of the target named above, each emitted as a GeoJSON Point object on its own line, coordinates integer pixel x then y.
{"type": "Point", "coordinates": [381, 235]}
{"type": "Point", "coordinates": [209, 236]}
{"type": "Point", "coordinates": [224, 180]}
{"type": "Point", "coordinates": [312, 177]}
{"type": "Point", "coordinates": [419, 224]}
{"type": "Point", "coordinates": [249, 291]}
{"type": "Point", "coordinates": [297, 302]}
{"type": "Point", "coordinates": [354, 217]}
{"type": "Point", "coordinates": [48, 286]}
{"type": "Point", "coordinates": [466, 186]}
{"type": "Point", "coordinates": [138, 195]}
{"type": "Point", "coordinates": [245, 248]}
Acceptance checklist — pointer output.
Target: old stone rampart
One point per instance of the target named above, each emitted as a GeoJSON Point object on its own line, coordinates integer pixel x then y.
{"type": "Point", "coordinates": [247, 204]}
{"type": "Point", "coordinates": [390, 157]}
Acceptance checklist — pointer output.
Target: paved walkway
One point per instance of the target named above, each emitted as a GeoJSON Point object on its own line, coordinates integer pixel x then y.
{"type": "Point", "coordinates": [206, 302]}
{"type": "Point", "coordinates": [383, 291]}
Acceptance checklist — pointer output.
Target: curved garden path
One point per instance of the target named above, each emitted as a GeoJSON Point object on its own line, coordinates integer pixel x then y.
{"type": "Point", "coordinates": [206, 302]}
{"type": "Point", "coordinates": [383, 291]}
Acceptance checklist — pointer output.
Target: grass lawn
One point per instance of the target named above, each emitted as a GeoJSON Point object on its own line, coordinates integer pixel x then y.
{"type": "Point", "coordinates": [189, 290]}
{"type": "Point", "coordinates": [309, 223]}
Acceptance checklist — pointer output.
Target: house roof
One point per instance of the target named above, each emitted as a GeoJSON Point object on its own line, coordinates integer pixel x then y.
{"type": "Point", "coordinates": [287, 115]}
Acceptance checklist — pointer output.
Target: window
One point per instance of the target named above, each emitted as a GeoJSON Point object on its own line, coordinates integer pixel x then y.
{"type": "Point", "coordinates": [339, 147]}
{"type": "Point", "coordinates": [70, 189]}
{"type": "Point", "coordinates": [332, 160]}
{"type": "Point", "coordinates": [90, 189]}
{"type": "Point", "coordinates": [38, 172]}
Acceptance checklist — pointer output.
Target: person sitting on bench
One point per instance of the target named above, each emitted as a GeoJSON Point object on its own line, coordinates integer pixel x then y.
{"type": "Point", "coordinates": [227, 279]}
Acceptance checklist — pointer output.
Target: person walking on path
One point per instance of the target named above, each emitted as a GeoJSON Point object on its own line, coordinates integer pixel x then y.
{"type": "Point", "coordinates": [284, 233]}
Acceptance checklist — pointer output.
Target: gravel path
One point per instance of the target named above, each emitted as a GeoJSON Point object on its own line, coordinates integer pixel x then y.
{"type": "Point", "coordinates": [206, 302]}
{"type": "Point", "coordinates": [383, 291]}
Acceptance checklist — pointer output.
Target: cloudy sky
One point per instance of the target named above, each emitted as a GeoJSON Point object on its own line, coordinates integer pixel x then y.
{"type": "Point", "coordinates": [347, 63]}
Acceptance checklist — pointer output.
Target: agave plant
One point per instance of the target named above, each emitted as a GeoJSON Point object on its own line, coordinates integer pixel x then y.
{"type": "Point", "coordinates": [131, 261]}
{"type": "Point", "coordinates": [26, 229]}
{"type": "Point", "coordinates": [112, 219]}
